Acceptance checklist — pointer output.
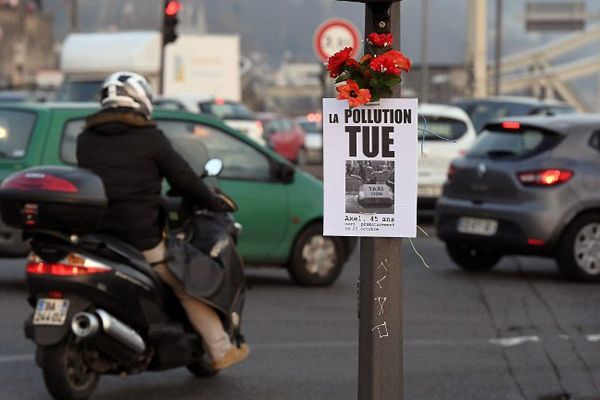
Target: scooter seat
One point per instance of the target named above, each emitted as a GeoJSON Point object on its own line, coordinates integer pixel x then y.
{"type": "Point", "coordinates": [133, 255]}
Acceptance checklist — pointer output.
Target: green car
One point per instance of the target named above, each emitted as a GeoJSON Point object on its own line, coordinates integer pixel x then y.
{"type": "Point", "coordinates": [281, 207]}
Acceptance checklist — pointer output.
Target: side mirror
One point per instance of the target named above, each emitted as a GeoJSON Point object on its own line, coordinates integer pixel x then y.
{"type": "Point", "coordinates": [284, 172]}
{"type": "Point", "coordinates": [213, 167]}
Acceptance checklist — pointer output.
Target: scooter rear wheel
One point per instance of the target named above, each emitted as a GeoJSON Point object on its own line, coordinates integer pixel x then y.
{"type": "Point", "coordinates": [66, 374]}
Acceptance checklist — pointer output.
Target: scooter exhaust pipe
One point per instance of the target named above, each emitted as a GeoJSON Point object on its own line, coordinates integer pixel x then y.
{"type": "Point", "coordinates": [87, 325]}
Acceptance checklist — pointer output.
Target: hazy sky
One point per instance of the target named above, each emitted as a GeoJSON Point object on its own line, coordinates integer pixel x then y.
{"type": "Point", "coordinates": [276, 26]}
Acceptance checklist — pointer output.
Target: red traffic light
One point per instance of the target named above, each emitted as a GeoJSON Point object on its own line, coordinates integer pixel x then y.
{"type": "Point", "coordinates": [172, 8]}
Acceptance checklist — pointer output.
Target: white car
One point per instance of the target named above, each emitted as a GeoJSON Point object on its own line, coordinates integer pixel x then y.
{"type": "Point", "coordinates": [446, 122]}
{"type": "Point", "coordinates": [313, 139]}
{"type": "Point", "coordinates": [234, 114]}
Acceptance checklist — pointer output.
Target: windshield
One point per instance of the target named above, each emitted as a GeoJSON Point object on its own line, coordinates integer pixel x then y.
{"type": "Point", "coordinates": [226, 110]}
{"type": "Point", "coordinates": [308, 126]}
{"type": "Point", "coordinates": [79, 91]}
{"type": "Point", "coordinates": [441, 128]}
{"type": "Point", "coordinates": [513, 143]}
{"type": "Point", "coordinates": [15, 130]}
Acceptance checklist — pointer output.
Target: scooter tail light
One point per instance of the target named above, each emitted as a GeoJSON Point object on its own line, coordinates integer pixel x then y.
{"type": "Point", "coordinates": [72, 265]}
{"type": "Point", "coordinates": [38, 181]}
{"type": "Point", "coordinates": [545, 177]}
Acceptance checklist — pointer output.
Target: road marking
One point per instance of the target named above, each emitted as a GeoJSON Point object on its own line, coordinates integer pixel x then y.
{"type": "Point", "coordinates": [11, 358]}
{"type": "Point", "coordinates": [514, 341]}
{"type": "Point", "coordinates": [593, 337]}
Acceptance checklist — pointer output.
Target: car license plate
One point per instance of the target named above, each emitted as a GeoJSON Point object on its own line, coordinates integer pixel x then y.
{"type": "Point", "coordinates": [478, 226]}
{"type": "Point", "coordinates": [50, 312]}
{"type": "Point", "coordinates": [429, 190]}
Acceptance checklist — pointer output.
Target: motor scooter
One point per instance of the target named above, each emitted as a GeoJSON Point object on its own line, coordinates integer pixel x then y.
{"type": "Point", "coordinates": [99, 307]}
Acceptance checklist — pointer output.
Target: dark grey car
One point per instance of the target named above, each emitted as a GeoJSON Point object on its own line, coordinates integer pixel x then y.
{"type": "Point", "coordinates": [527, 186]}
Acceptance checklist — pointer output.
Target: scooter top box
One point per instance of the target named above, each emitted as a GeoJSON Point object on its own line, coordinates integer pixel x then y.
{"type": "Point", "coordinates": [68, 199]}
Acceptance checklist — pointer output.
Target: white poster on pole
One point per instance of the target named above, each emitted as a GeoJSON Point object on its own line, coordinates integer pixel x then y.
{"type": "Point", "coordinates": [370, 168]}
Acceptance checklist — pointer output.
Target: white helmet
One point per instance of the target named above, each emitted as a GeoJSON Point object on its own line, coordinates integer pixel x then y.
{"type": "Point", "coordinates": [127, 89]}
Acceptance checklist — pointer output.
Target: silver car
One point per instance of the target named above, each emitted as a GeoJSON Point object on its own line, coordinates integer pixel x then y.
{"type": "Point", "coordinates": [528, 186]}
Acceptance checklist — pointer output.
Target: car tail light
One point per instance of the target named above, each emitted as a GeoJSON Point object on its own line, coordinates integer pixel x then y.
{"type": "Point", "coordinates": [38, 181]}
{"type": "Point", "coordinates": [451, 172]}
{"type": "Point", "coordinates": [535, 242]}
{"type": "Point", "coordinates": [513, 125]}
{"type": "Point", "coordinates": [259, 126]}
{"type": "Point", "coordinates": [545, 177]}
{"type": "Point", "coordinates": [72, 265]}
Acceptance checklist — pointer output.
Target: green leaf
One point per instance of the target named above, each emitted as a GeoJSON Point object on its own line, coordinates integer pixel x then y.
{"type": "Point", "coordinates": [393, 80]}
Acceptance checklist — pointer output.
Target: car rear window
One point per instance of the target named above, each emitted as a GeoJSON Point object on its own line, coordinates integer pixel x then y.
{"type": "Point", "coordinates": [226, 110]}
{"type": "Point", "coordinates": [79, 91]}
{"type": "Point", "coordinates": [518, 143]}
{"type": "Point", "coordinates": [482, 113]}
{"type": "Point", "coordinates": [442, 128]}
{"type": "Point", "coordinates": [15, 130]}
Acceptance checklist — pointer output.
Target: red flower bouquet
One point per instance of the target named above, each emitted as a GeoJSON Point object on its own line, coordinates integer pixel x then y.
{"type": "Point", "coordinates": [375, 75]}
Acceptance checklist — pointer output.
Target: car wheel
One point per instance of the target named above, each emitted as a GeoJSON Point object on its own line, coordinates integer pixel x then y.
{"type": "Point", "coordinates": [578, 255]}
{"type": "Point", "coordinates": [66, 373]}
{"type": "Point", "coordinates": [472, 258]}
{"type": "Point", "coordinates": [316, 260]}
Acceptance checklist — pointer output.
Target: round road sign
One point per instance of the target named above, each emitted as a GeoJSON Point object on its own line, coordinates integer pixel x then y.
{"type": "Point", "coordinates": [334, 35]}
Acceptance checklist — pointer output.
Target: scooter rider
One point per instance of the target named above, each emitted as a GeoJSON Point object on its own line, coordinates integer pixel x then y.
{"type": "Point", "coordinates": [123, 146]}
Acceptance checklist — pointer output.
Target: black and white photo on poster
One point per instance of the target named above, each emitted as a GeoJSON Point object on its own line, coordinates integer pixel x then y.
{"type": "Point", "coordinates": [370, 168]}
{"type": "Point", "coordinates": [369, 187]}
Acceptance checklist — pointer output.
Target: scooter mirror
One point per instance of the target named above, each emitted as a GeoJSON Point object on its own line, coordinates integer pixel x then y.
{"type": "Point", "coordinates": [213, 167]}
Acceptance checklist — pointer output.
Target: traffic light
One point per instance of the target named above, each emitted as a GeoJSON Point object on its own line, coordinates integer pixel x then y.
{"type": "Point", "coordinates": [171, 9]}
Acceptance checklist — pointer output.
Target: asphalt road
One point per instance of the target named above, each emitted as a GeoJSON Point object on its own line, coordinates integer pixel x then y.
{"type": "Point", "coordinates": [518, 332]}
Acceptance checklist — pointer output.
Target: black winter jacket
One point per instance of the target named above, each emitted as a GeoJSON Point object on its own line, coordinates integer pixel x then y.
{"type": "Point", "coordinates": [132, 156]}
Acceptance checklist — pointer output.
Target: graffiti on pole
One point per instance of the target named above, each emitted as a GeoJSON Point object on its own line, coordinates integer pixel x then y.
{"type": "Point", "coordinates": [382, 271]}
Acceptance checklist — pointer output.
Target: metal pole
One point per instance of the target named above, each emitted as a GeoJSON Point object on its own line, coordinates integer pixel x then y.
{"type": "Point", "coordinates": [498, 48]}
{"type": "Point", "coordinates": [424, 51]}
{"type": "Point", "coordinates": [161, 73]}
{"type": "Point", "coordinates": [20, 57]}
{"type": "Point", "coordinates": [380, 372]}
{"type": "Point", "coordinates": [74, 16]}
{"type": "Point", "coordinates": [478, 46]}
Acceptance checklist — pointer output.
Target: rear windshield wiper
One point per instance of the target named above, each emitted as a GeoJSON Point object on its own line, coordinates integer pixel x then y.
{"type": "Point", "coordinates": [501, 153]}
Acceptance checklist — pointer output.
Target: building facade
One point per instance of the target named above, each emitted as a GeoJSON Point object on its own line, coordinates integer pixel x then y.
{"type": "Point", "coordinates": [26, 45]}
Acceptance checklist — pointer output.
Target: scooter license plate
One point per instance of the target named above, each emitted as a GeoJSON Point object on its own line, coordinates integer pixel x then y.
{"type": "Point", "coordinates": [50, 312]}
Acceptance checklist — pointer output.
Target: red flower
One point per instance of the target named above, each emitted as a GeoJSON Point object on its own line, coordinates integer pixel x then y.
{"type": "Point", "coordinates": [337, 61]}
{"type": "Point", "coordinates": [351, 92]}
{"type": "Point", "coordinates": [400, 60]}
{"type": "Point", "coordinates": [392, 62]}
{"type": "Point", "coordinates": [352, 63]}
{"type": "Point", "coordinates": [380, 39]}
